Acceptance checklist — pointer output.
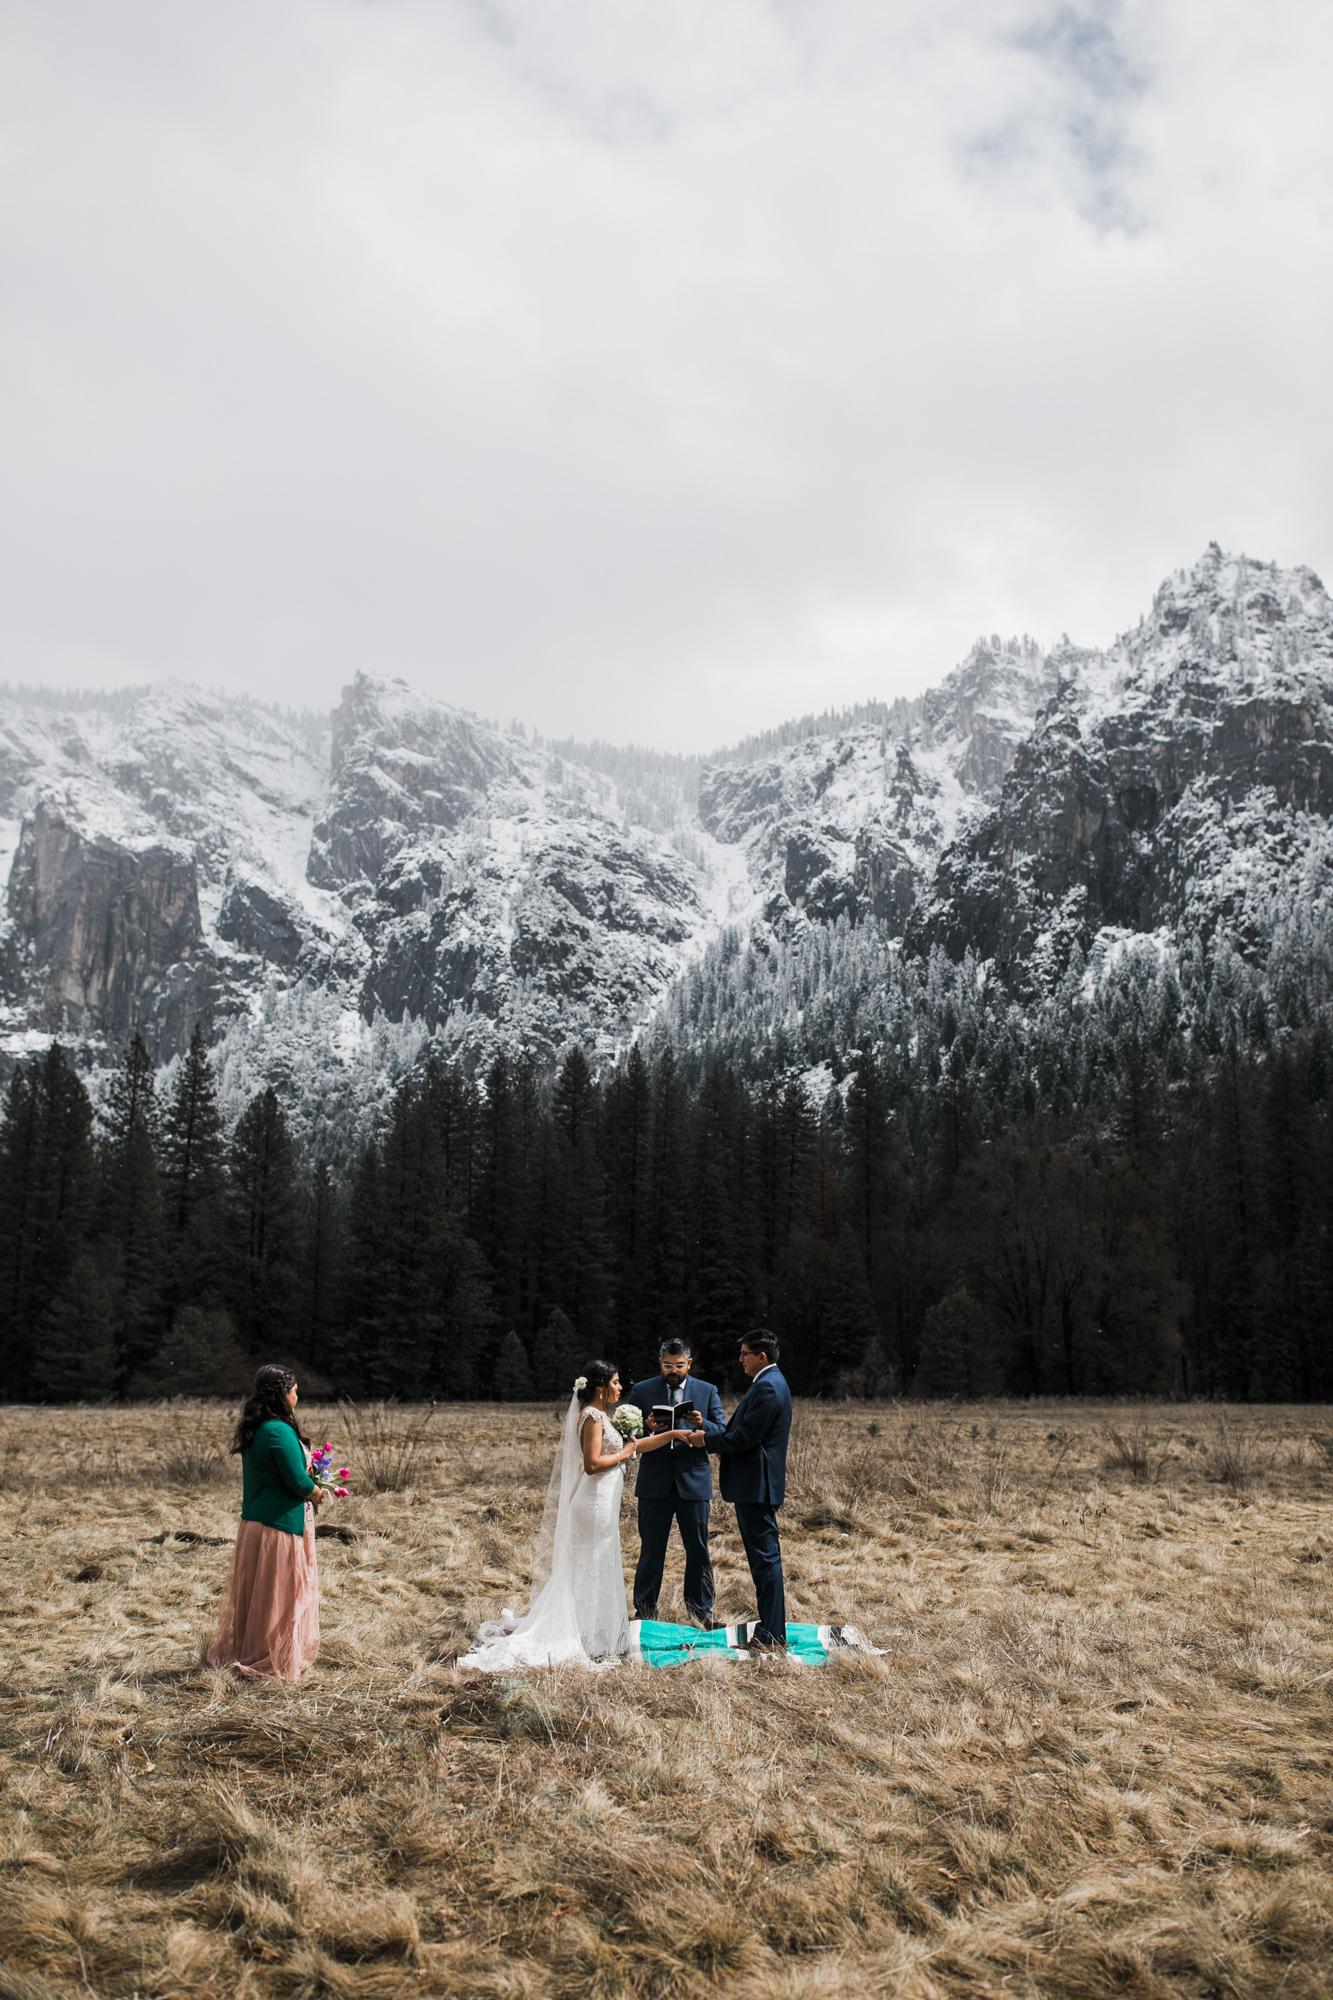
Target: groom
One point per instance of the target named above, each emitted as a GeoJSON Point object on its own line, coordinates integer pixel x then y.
{"type": "Point", "coordinates": [753, 1451]}
{"type": "Point", "coordinates": [675, 1484]}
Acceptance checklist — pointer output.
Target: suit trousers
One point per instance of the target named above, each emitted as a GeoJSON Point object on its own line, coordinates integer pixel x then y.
{"type": "Point", "coordinates": [655, 1518]}
{"type": "Point", "coordinates": [758, 1523]}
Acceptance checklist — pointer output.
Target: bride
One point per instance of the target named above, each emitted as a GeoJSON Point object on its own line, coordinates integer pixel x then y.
{"type": "Point", "coordinates": [577, 1611]}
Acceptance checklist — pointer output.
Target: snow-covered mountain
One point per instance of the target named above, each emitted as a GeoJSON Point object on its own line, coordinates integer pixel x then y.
{"type": "Point", "coordinates": [175, 857]}
{"type": "Point", "coordinates": [155, 845]}
{"type": "Point", "coordinates": [1180, 782]}
{"type": "Point", "coordinates": [855, 822]}
{"type": "Point", "coordinates": [327, 901]}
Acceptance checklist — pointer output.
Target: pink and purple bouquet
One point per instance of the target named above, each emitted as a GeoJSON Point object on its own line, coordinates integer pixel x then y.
{"type": "Point", "coordinates": [321, 1458]}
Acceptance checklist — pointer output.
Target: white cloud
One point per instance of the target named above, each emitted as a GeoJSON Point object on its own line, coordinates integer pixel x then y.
{"type": "Point", "coordinates": [648, 371]}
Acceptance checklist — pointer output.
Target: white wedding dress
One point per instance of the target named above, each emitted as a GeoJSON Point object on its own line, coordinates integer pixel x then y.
{"type": "Point", "coordinates": [577, 1612]}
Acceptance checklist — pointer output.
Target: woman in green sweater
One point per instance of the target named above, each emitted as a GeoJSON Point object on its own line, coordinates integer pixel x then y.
{"type": "Point", "coordinates": [269, 1622]}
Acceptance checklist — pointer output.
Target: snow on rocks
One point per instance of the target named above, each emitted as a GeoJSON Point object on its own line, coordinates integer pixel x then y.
{"type": "Point", "coordinates": [332, 901]}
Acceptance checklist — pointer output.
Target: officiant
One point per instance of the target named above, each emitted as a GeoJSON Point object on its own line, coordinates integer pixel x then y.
{"type": "Point", "coordinates": [676, 1485]}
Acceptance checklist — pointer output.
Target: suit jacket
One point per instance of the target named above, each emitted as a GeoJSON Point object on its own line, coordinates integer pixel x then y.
{"type": "Point", "coordinates": [677, 1472]}
{"type": "Point", "coordinates": [753, 1447]}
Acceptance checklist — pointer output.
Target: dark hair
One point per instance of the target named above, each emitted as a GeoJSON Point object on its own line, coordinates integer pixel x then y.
{"type": "Point", "coordinates": [265, 1404]}
{"type": "Point", "coordinates": [761, 1341]}
{"type": "Point", "coordinates": [674, 1346]}
{"type": "Point", "coordinates": [596, 1375]}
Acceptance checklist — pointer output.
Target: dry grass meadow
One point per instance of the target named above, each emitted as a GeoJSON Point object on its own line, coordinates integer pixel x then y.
{"type": "Point", "coordinates": [1096, 1757]}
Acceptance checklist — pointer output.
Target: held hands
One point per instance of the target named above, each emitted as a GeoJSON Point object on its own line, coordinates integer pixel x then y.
{"type": "Point", "coordinates": [695, 1436]}
{"type": "Point", "coordinates": [665, 1436]}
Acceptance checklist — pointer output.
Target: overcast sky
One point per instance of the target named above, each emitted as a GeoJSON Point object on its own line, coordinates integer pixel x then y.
{"type": "Point", "coordinates": [648, 368]}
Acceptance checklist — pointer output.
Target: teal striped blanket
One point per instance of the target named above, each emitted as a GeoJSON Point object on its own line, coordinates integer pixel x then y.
{"type": "Point", "coordinates": [659, 1645]}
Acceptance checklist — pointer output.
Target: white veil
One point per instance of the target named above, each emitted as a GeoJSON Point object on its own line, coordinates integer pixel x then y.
{"type": "Point", "coordinates": [548, 1633]}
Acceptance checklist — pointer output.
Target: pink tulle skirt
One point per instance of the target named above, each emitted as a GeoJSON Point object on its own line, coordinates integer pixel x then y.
{"type": "Point", "coordinates": [268, 1625]}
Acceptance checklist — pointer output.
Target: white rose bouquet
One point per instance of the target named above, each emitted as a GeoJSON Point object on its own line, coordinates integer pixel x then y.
{"type": "Point", "coordinates": [628, 1420]}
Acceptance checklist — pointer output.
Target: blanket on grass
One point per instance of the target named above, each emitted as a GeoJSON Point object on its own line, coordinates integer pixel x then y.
{"type": "Point", "coordinates": [659, 1645]}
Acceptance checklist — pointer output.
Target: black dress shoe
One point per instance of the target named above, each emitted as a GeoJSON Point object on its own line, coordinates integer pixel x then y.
{"type": "Point", "coordinates": [707, 1623]}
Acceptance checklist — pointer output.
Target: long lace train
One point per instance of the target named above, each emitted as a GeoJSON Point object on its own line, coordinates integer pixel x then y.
{"type": "Point", "coordinates": [577, 1611]}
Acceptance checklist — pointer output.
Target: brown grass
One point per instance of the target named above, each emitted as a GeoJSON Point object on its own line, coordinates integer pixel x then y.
{"type": "Point", "coordinates": [1096, 1758]}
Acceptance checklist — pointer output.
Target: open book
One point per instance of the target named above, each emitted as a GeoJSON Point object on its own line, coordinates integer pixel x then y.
{"type": "Point", "coordinates": [675, 1416]}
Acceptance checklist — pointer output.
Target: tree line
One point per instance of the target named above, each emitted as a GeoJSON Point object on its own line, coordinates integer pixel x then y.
{"type": "Point", "coordinates": [497, 1232]}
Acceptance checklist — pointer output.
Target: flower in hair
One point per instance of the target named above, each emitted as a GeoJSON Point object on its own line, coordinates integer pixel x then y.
{"type": "Point", "coordinates": [581, 1383]}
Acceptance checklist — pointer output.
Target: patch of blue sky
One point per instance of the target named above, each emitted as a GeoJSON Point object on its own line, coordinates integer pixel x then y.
{"type": "Point", "coordinates": [1093, 85]}
{"type": "Point", "coordinates": [1084, 44]}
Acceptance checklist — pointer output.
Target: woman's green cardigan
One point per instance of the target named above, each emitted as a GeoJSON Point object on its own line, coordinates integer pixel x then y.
{"type": "Point", "coordinates": [275, 1484]}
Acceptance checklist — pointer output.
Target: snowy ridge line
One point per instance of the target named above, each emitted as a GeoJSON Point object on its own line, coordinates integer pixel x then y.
{"type": "Point", "coordinates": [331, 903]}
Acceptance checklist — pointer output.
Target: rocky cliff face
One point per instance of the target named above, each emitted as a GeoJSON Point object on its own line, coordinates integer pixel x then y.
{"type": "Point", "coordinates": [176, 859]}
{"type": "Point", "coordinates": [101, 923]}
{"type": "Point", "coordinates": [402, 768]}
{"type": "Point", "coordinates": [1203, 735]}
{"type": "Point", "coordinates": [854, 824]}
{"type": "Point", "coordinates": [491, 880]}
{"type": "Point", "coordinates": [155, 846]}
{"type": "Point", "coordinates": [313, 895]}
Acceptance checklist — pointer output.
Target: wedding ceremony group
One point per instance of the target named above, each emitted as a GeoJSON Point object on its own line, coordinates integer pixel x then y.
{"type": "Point", "coordinates": [671, 1424]}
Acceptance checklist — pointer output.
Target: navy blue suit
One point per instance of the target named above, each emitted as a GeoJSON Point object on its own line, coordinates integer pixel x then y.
{"type": "Point", "coordinates": [675, 1484]}
{"type": "Point", "coordinates": [753, 1454]}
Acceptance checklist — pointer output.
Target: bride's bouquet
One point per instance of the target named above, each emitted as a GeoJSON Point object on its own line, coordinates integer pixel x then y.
{"type": "Point", "coordinates": [320, 1461]}
{"type": "Point", "coordinates": [628, 1420]}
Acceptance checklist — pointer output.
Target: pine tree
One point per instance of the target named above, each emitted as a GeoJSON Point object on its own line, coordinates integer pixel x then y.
{"type": "Point", "coordinates": [531, 1135]}
{"type": "Point", "coordinates": [958, 1135]}
{"type": "Point", "coordinates": [263, 1203]}
{"type": "Point", "coordinates": [500, 1197]}
{"type": "Point", "coordinates": [848, 1327]}
{"type": "Point", "coordinates": [467, 1320]}
{"type": "Point", "coordinates": [456, 1113]}
{"type": "Point", "coordinates": [723, 1279]}
{"type": "Point", "coordinates": [75, 1357]}
{"type": "Point", "coordinates": [193, 1158]}
{"type": "Point", "coordinates": [1284, 1364]}
{"type": "Point", "coordinates": [668, 1203]}
{"type": "Point", "coordinates": [958, 1349]}
{"type": "Point", "coordinates": [513, 1376]}
{"type": "Point", "coordinates": [580, 1252]}
{"type": "Point", "coordinates": [436, 1324]}
{"type": "Point", "coordinates": [364, 1274]}
{"type": "Point", "coordinates": [46, 1204]}
{"type": "Point", "coordinates": [871, 1182]}
{"type": "Point", "coordinates": [787, 1145]}
{"type": "Point", "coordinates": [547, 1197]}
{"type": "Point", "coordinates": [1233, 1209]}
{"type": "Point", "coordinates": [196, 1351]}
{"type": "Point", "coordinates": [132, 1249]}
{"type": "Point", "coordinates": [628, 1123]}
{"type": "Point", "coordinates": [1138, 1120]}
{"type": "Point", "coordinates": [557, 1358]}
{"type": "Point", "coordinates": [319, 1272]}
{"type": "Point", "coordinates": [20, 1157]}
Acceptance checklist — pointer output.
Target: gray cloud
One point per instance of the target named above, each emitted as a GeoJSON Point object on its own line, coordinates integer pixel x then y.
{"type": "Point", "coordinates": [649, 371]}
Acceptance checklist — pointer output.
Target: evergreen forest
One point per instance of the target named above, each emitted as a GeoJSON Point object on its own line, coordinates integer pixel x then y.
{"type": "Point", "coordinates": [969, 1203]}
